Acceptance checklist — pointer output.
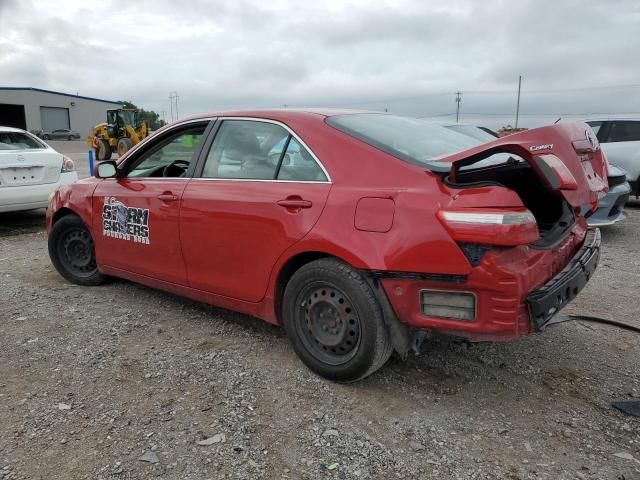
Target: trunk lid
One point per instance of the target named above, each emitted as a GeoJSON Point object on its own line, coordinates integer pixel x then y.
{"type": "Point", "coordinates": [29, 167]}
{"type": "Point", "coordinates": [567, 156]}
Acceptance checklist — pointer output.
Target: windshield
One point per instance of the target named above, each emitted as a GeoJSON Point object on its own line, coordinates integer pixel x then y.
{"type": "Point", "coordinates": [410, 139]}
{"type": "Point", "coordinates": [127, 118]}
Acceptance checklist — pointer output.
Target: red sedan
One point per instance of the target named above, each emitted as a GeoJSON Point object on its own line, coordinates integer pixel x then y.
{"type": "Point", "coordinates": [360, 233]}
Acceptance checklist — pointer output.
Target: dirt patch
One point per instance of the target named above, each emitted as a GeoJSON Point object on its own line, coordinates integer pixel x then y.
{"type": "Point", "coordinates": [92, 379]}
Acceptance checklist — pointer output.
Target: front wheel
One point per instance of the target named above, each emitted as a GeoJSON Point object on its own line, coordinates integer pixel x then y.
{"type": "Point", "coordinates": [72, 251]}
{"type": "Point", "coordinates": [334, 321]}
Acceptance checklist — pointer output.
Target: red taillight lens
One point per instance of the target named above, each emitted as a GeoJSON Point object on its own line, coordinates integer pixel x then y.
{"type": "Point", "coordinates": [556, 172]}
{"type": "Point", "coordinates": [491, 226]}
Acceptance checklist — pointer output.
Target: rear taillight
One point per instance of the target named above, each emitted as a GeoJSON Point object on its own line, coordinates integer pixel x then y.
{"type": "Point", "coordinates": [67, 165]}
{"type": "Point", "coordinates": [556, 172]}
{"type": "Point", "coordinates": [491, 226]}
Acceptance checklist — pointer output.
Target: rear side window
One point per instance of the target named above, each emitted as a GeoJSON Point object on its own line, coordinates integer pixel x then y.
{"type": "Point", "coordinates": [624, 131]}
{"type": "Point", "coordinates": [18, 141]}
{"type": "Point", "coordinates": [410, 139]}
{"type": "Point", "coordinates": [297, 164]}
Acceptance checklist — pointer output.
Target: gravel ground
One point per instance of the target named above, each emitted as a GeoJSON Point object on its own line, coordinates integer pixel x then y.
{"type": "Point", "coordinates": [126, 382]}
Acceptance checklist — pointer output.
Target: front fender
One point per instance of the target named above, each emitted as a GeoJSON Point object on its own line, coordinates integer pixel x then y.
{"type": "Point", "coordinates": [76, 198]}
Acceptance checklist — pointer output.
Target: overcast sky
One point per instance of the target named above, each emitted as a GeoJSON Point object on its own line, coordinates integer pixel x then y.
{"type": "Point", "coordinates": [407, 56]}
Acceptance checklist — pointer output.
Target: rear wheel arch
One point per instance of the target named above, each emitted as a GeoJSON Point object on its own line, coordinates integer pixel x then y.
{"type": "Point", "coordinates": [291, 266]}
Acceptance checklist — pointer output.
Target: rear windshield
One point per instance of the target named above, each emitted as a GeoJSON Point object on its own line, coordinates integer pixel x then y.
{"type": "Point", "coordinates": [18, 141]}
{"type": "Point", "coordinates": [473, 132]}
{"type": "Point", "coordinates": [410, 139]}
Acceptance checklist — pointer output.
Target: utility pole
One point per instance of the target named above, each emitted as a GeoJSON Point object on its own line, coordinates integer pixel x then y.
{"type": "Point", "coordinates": [518, 103]}
{"type": "Point", "coordinates": [173, 102]}
{"type": "Point", "coordinates": [458, 100]}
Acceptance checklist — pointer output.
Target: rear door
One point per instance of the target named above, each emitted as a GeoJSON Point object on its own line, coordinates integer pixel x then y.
{"type": "Point", "coordinates": [25, 160]}
{"type": "Point", "coordinates": [136, 216]}
{"type": "Point", "coordinates": [258, 191]}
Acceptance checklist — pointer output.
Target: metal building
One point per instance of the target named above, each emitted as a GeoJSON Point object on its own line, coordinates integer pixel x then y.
{"type": "Point", "coordinates": [37, 109]}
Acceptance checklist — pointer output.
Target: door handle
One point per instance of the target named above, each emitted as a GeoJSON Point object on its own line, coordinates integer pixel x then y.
{"type": "Point", "coordinates": [167, 197]}
{"type": "Point", "coordinates": [295, 203]}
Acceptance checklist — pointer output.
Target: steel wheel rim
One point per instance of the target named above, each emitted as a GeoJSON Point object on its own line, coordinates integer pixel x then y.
{"type": "Point", "coordinates": [76, 252]}
{"type": "Point", "coordinates": [328, 324]}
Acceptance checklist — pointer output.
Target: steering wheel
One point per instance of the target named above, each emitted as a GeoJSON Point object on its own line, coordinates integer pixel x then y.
{"type": "Point", "coordinates": [177, 168]}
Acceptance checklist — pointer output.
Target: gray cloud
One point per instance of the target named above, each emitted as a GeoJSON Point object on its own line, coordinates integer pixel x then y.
{"type": "Point", "coordinates": [407, 56]}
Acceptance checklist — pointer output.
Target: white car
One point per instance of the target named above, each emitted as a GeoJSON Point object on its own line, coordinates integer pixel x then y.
{"type": "Point", "coordinates": [30, 171]}
{"type": "Point", "coordinates": [620, 140]}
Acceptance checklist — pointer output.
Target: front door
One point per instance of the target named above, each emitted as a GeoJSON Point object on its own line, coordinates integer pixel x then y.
{"type": "Point", "coordinates": [258, 192]}
{"type": "Point", "coordinates": [136, 216]}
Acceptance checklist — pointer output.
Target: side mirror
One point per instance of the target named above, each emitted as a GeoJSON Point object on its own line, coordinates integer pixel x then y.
{"type": "Point", "coordinates": [105, 169]}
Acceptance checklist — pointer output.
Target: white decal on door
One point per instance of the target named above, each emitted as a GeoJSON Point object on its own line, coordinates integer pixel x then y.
{"type": "Point", "coordinates": [125, 223]}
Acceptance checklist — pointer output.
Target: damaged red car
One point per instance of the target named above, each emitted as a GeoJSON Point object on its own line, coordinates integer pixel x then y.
{"type": "Point", "coordinates": [359, 233]}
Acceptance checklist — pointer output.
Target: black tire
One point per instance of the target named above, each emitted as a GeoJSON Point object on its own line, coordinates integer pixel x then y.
{"type": "Point", "coordinates": [70, 137]}
{"type": "Point", "coordinates": [103, 150]}
{"type": "Point", "coordinates": [46, 137]}
{"type": "Point", "coordinates": [334, 321]}
{"type": "Point", "coordinates": [124, 144]}
{"type": "Point", "coordinates": [72, 252]}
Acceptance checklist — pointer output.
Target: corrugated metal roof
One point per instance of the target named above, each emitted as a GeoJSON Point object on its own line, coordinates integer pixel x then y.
{"type": "Point", "coordinates": [60, 93]}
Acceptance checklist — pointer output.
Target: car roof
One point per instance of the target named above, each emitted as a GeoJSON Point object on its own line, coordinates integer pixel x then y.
{"type": "Point", "coordinates": [11, 129]}
{"type": "Point", "coordinates": [611, 119]}
{"type": "Point", "coordinates": [280, 113]}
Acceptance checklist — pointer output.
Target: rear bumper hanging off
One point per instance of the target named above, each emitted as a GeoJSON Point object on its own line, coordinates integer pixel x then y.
{"type": "Point", "coordinates": [547, 300]}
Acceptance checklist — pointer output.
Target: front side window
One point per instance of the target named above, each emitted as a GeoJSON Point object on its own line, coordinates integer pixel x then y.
{"type": "Point", "coordinates": [245, 149]}
{"type": "Point", "coordinates": [171, 157]}
{"type": "Point", "coordinates": [410, 139]}
{"type": "Point", "coordinates": [19, 141]}
{"type": "Point", "coordinates": [624, 131]}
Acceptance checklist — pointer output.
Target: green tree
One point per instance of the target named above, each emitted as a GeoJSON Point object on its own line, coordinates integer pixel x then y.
{"type": "Point", "coordinates": [152, 118]}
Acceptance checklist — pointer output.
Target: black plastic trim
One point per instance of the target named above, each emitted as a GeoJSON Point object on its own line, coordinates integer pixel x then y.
{"type": "Point", "coordinates": [429, 277]}
{"type": "Point", "coordinates": [550, 298]}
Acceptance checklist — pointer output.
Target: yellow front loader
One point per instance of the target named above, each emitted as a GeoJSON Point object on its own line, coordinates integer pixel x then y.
{"type": "Point", "coordinates": [121, 131]}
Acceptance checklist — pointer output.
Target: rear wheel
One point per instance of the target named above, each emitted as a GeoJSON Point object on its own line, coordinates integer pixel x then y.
{"type": "Point", "coordinates": [72, 251]}
{"type": "Point", "coordinates": [103, 150]}
{"type": "Point", "coordinates": [46, 137]}
{"type": "Point", "coordinates": [334, 321]}
{"type": "Point", "coordinates": [124, 144]}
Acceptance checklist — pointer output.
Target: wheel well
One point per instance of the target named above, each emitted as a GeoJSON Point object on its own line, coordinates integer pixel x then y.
{"type": "Point", "coordinates": [287, 271]}
{"type": "Point", "coordinates": [63, 212]}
